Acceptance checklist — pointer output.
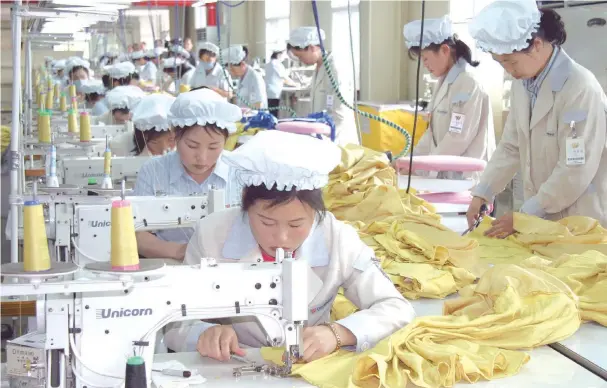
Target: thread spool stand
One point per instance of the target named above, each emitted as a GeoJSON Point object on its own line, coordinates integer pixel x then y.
{"type": "Point", "coordinates": [37, 265]}
{"type": "Point", "coordinates": [125, 260]}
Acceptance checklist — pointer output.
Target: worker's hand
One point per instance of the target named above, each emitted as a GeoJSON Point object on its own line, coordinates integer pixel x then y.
{"type": "Point", "coordinates": [473, 210]}
{"type": "Point", "coordinates": [179, 251]}
{"type": "Point", "coordinates": [219, 342]}
{"type": "Point", "coordinates": [502, 227]}
{"type": "Point", "coordinates": [318, 341]}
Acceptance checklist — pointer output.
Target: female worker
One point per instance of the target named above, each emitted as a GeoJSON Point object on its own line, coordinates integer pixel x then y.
{"type": "Point", "coordinates": [461, 122]}
{"type": "Point", "coordinates": [147, 68]}
{"type": "Point", "coordinates": [153, 135]}
{"type": "Point", "coordinates": [556, 132]}
{"type": "Point", "coordinates": [282, 207]}
{"type": "Point", "coordinates": [94, 96]}
{"type": "Point", "coordinates": [304, 43]}
{"type": "Point", "coordinates": [276, 78]}
{"type": "Point", "coordinates": [120, 73]}
{"type": "Point", "coordinates": [209, 73]}
{"type": "Point", "coordinates": [202, 121]}
{"type": "Point", "coordinates": [251, 88]}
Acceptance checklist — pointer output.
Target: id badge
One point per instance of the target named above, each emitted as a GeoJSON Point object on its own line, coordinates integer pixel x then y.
{"type": "Point", "coordinates": [457, 122]}
{"type": "Point", "coordinates": [575, 152]}
{"type": "Point", "coordinates": [329, 101]}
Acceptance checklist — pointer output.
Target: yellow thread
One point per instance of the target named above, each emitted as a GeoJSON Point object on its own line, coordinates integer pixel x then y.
{"type": "Point", "coordinates": [72, 121]}
{"type": "Point", "coordinates": [107, 163]}
{"type": "Point", "coordinates": [57, 89]}
{"type": "Point", "coordinates": [44, 127]}
{"type": "Point", "coordinates": [72, 90]}
{"type": "Point", "coordinates": [63, 103]}
{"type": "Point", "coordinates": [35, 245]}
{"type": "Point", "coordinates": [50, 98]}
{"type": "Point", "coordinates": [42, 101]}
{"type": "Point", "coordinates": [184, 88]}
{"type": "Point", "coordinates": [85, 127]}
{"type": "Point", "coordinates": [124, 254]}
{"type": "Point", "coordinates": [75, 104]}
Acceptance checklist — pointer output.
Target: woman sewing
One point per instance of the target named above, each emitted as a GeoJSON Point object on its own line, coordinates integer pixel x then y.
{"type": "Point", "coordinates": [202, 121]}
{"type": "Point", "coordinates": [153, 134]}
{"type": "Point", "coordinates": [282, 207]}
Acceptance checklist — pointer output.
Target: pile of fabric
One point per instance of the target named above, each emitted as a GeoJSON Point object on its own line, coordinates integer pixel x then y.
{"type": "Point", "coordinates": [422, 257]}
{"type": "Point", "coordinates": [548, 239]}
{"type": "Point", "coordinates": [479, 336]}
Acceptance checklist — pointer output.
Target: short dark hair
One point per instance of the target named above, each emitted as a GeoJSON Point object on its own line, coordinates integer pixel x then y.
{"type": "Point", "coordinates": [92, 97]}
{"type": "Point", "coordinates": [135, 76]}
{"type": "Point", "coordinates": [180, 131]}
{"type": "Point", "coordinates": [459, 49]}
{"type": "Point", "coordinates": [312, 198]}
{"type": "Point", "coordinates": [107, 83]}
{"type": "Point", "coordinates": [275, 54]}
{"type": "Point", "coordinates": [121, 81]}
{"type": "Point", "coordinates": [124, 111]}
{"type": "Point", "coordinates": [551, 29]}
{"type": "Point", "coordinates": [76, 68]}
{"type": "Point", "coordinates": [202, 52]}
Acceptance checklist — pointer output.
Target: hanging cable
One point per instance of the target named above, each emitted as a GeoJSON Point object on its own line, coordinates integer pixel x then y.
{"type": "Point", "coordinates": [358, 127]}
{"type": "Point", "coordinates": [335, 86]}
{"type": "Point", "coordinates": [419, 61]}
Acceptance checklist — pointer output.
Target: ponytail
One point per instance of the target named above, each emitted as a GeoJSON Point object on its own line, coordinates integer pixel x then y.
{"type": "Point", "coordinates": [463, 51]}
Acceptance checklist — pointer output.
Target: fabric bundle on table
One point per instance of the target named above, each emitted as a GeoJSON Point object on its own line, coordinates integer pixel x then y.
{"type": "Point", "coordinates": [510, 308]}
{"type": "Point", "coordinates": [535, 236]}
{"type": "Point", "coordinates": [422, 257]}
{"type": "Point", "coordinates": [586, 274]}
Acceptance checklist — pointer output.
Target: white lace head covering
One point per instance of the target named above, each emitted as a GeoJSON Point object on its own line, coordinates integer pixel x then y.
{"type": "Point", "coordinates": [124, 97]}
{"type": "Point", "coordinates": [152, 112]}
{"type": "Point", "coordinates": [436, 31]}
{"type": "Point", "coordinates": [202, 107]}
{"type": "Point", "coordinates": [303, 37]}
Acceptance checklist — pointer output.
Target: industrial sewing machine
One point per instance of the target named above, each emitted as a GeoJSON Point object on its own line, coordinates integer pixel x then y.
{"type": "Point", "coordinates": [78, 170]}
{"type": "Point", "coordinates": [84, 222]}
{"type": "Point", "coordinates": [87, 328]}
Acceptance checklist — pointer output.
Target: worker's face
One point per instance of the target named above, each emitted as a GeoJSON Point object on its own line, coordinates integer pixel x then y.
{"type": "Point", "coordinates": [161, 143]}
{"type": "Point", "coordinates": [521, 65]}
{"type": "Point", "coordinates": [208, 58]}
{"type": "Point", "coordinates": [437, 62]}
{"type": "Point", "coordinates": [308, 56]}
{"type": "Point", "coordinates": [199, 149]}
{"type": "Point", "coordinates": [121, 117]}
{"type": "Point", "coordinates": [79, 74]}
{"type": "Point", "coordinates": [187, 44]}
{"type": "Point", "coordinates": [283, 226]}
{"type": "Point", "coordinates": [237, 71]}
{"type": "Point", "coordinates": [60, 73]}
{"type": "Point", "coordinates": [140, 61]}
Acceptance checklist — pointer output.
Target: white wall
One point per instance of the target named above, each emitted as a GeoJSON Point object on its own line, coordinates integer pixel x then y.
{"type": "Point", "coordinates": [587, 45]}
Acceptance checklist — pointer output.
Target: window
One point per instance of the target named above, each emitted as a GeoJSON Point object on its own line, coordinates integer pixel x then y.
{"type": "Point", "coordinates": [277, 13]}
{"type": "Point", "coordinates": [341, 44]}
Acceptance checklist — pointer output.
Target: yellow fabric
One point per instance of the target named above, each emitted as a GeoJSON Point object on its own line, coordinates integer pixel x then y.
{"type": "Point", "coordinates": [381, 137]}
{"type": "Point", "coordinates": [232, 140]}
{"type": "Point", "coordinates": [586, 274]}
{"type": "Point", "coordinates": [421, 256]}
{"type": "Point", "coordinates": [342, 307]}
{"type": "Point", "coordinates": [535, 236]}
{"type": "Point", "coordinates": [510, 308]}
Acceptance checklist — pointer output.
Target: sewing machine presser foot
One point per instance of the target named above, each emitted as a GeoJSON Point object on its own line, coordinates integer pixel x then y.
{"type": "Point", "coordinates": [268, 370]}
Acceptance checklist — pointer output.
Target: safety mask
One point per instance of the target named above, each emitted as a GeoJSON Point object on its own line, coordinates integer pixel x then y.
{"type": "Point", "coordinates": [78, 84]}
{"type": "Point", "coordinates": [208, 65]}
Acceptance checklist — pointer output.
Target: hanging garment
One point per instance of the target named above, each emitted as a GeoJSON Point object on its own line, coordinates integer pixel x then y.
{"type": "Point", "coordinates": [479, 336]}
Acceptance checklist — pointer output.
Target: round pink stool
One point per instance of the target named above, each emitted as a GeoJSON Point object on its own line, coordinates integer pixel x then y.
{"type": "Point", "coordinates": [442, 163]}
{"type": "Point", "coordinates": [304, 128]}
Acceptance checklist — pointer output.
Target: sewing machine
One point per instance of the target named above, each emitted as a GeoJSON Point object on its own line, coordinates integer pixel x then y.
{"type": "Point", "coordinates": [88, 327]}
{"type": "Point", "coordinates": [78, 170]}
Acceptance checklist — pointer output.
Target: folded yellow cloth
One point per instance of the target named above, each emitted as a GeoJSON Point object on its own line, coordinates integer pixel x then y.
{"type": "Point", "coordinates": [586, 274]}
{"type": "Point", "coordinates": [510, 308]}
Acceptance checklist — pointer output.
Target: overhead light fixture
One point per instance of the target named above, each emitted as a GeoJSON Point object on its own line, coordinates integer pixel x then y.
{"type": "Point", "coordinates": [55, 13]}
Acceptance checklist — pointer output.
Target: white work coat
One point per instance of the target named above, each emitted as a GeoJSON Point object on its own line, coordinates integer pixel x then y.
{"type": "Point", "coordinates": [123, 144]}
{"type": "Point", "coordinates": [459, 94]}
{"type": "Point", "coordinates": [215, 78]}
{"type": "Point", "coordinates": [535, 142]}
{"type": "Point", "coordinates": [324, 98]}
{"type": "Point", "coordinates": [275, 78]}
{"type": "Point", "coordinates": [337, 258]}
{"type": "Point", "coordinates": [252, 88]}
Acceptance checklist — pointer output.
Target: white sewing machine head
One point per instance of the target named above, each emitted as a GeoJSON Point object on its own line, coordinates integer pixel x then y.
{"type": "Point", "coordinates": [98, 323]}
{"type": "Point", "coordinates": [78, 170]}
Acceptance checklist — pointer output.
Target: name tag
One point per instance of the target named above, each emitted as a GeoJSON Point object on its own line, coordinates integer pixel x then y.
{"type": "Point", "coordinates": [457, 123]}
{"type": "Point", "coordinates": [329, 101]}
{"type": "Point", "coordinates": [575, 152]}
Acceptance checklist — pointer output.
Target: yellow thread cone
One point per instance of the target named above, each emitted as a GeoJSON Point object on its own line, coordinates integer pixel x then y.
{"type": "Point", "coordinates": [50, 99]}
{"type": "Point", "coordinates": [72, 89]}
{"type": "Point", "coordinates": [49, 83]}
{"type": "Point", "coordinates": [72, 121]}
{"type": "Point", "coordinates": [74, 104]}
{"type": "Point", "coordinates": [124, 254]}
{"type": "Point", "coordinates": [184, 88]}
{"type": "Point", "coordinates": [57, 89]}
{"type": "Point", "coordinates": [85, 127]}
{"type": "Point", "coordinates": [107, 163]}
{"type": "Point", "coordinates": [35, 246]}
{"type": "Point", "coordinates": [44, 127]}
{"type": "Point", "coordinates": [63, 103]}
{"type": "Point", "coordinates": [42, 101]}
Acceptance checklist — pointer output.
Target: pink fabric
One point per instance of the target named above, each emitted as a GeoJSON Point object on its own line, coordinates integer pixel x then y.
{"type": "Point", "coordinates": [462, 198]}
{"type": "Point", "coordinates": [304, 128]}
{"type": "Point", "coordinates": [133, 267]}
{"type": "Point", "coordinates": [442, 163]}
{"type": "Point", "coordinates": [121, 203]}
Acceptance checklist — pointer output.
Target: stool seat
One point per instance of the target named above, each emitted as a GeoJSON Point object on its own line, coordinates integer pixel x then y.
{"type": "Point", "coordinates": [304, 128]}
{"type": "Point", "coordinates": [461, 198]}
{"type": "Point", "coordinates": [442, 163]}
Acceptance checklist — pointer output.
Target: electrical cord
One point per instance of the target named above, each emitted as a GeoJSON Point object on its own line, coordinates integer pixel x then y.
{"type": "Point", "coordinates": [327, 64]}
{"type": "Point", "coordinates": [358, 127]}
{"type": "Point", "coordinates": [419, 61]}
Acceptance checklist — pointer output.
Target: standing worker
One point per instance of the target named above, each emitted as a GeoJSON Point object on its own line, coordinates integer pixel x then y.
{"type": "Point", "coordinates": [461, 121]}
{"type": "Point", "coordinates": [304, 43]}
{"type": "Point", "coordinates": [251, 88]}
{"type": "Point", "coordinates": [276, 78]}
{"type": "Point", "coordinates": [209, 73]}
{"type": "Point", "coordinates": [556, 132]}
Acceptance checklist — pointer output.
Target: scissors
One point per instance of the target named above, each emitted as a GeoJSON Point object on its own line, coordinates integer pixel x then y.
{"type": "Point", "coordinates": [481, 214]}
